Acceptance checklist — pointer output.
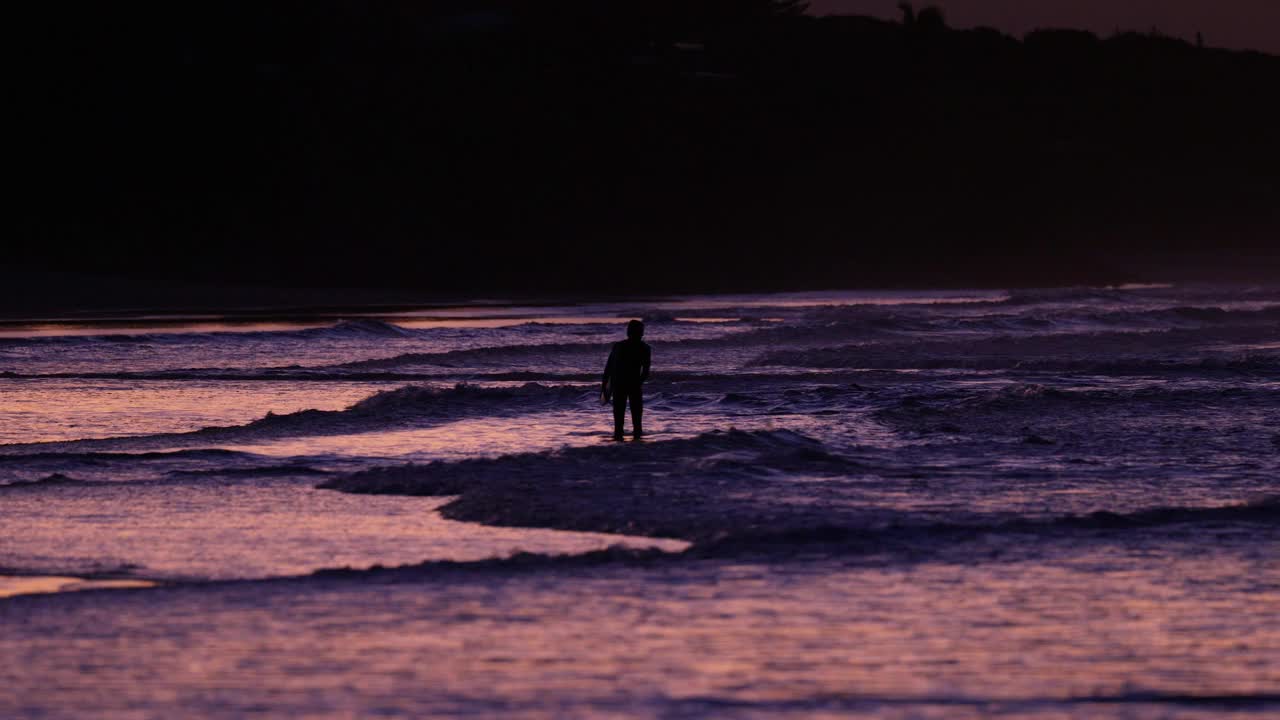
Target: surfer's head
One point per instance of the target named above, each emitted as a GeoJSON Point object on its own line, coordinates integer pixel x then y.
{"type": "Point", "coordinates": [635, 330]}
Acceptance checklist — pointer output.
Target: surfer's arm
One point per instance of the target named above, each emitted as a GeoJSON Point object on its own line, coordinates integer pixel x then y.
{"type": "Point", "coordinates": [608, 371]}
{"type": "Point", "coordinates": [644, 366]}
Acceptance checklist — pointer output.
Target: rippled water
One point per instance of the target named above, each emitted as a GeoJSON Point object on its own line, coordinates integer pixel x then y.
{"type": "Point", "coordinates": [1057, 503]}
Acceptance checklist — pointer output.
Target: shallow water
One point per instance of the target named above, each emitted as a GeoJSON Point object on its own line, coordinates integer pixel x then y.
{"type": "Point", "coordinates": [1056, 503]}
{"type": "Point", "coordinates": [1060, 634]}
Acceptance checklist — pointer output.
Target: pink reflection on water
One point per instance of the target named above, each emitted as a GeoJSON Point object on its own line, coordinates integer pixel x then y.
{"type": "Point", "coordinates": [475, 437]}
{"type": "Point", "coordinates": [210, 529]}
{"type": "Point", "coordinates": [1091, 623]}
{"type": "Point", "coordinates": [141, 326]}
{"type": "Point", "coordinates": [11, 585]}
{"type": "Point", "coordinates": [50, 410]}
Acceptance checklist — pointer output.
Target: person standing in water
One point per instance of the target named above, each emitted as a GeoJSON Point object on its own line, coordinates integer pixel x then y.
{"type": "Point", "coordinates": [624, 377]}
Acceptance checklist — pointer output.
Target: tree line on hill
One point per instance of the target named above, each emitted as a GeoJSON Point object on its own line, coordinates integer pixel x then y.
{"type": "Point", "coordinates": [546, 146]}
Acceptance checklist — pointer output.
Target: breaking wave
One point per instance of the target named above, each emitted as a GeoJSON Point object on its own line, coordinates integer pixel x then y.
{"type": "Point", "coordinates": [732, 452]}
{"type": "Point", "coordinates": [344, 329]}
{"type": "Point", "coordinates": [43, 468]}
{"type": "Point", "coordinates": [1079, 294]}
{"type": "Point", "coordinates": [54, 480]}
{"type": "Point", "coordinates": [287, 470]}
{"type": "Point", "coordinates": [726, 492]}
{"type": "Point", "coordinates": [361, 328]}
{"type": "Point", "coordinates": [1020, 394]}
{"type": "Point", "coordinates": [921, 536]}
{"type": "Point", "coordinates": [412, 405]}
{"type": "Point", "coordinates": [685, 489]}
{"type": "Point", "coordinates": [1028, 409]}
{"type": "Point", "coordinates": [1102, 353]}
{"type": "Point", "coordinates": [8, 455]}
{"type": "Point", "coordinates": [503, 355]}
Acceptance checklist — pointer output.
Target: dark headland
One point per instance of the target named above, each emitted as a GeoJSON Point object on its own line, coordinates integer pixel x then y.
{"type": "Point", "coordinates": [625, 146]}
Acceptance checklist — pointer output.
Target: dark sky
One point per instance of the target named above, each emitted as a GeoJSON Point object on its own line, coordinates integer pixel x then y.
{"type": "Point", "coordinates": [1253, 24]}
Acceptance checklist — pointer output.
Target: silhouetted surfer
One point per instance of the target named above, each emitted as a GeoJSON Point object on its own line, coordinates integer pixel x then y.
{"type": "Point", "coordinates": [624, 377]}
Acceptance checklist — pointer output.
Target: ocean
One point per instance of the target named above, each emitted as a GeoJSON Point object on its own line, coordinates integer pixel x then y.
{"type": "Point", "coordinates": [1052, 503]}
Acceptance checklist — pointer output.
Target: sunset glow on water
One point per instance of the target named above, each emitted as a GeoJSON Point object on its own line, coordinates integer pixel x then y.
{"type": "Point", "coordinates": [1041, 504]}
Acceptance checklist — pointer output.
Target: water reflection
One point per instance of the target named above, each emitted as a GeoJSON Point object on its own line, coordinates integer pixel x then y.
{"type": "Point", "coordinates": [12, 585]}
{"type": "Point", "coordinates": [1081, 632]}
{"type": "Point", "coordinates": [215, 529]}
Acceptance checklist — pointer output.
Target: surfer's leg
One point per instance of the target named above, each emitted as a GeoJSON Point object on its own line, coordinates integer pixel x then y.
{"type": "Point", "coordinates": [619, 412]}
{"type": "Point", "coordinates": [637, 411]}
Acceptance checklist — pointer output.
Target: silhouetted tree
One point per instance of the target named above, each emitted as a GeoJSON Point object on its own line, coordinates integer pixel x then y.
{"type": "Point", "coordinates": [931, 19]}
{"type": "Point", "coordinates": [928, 19]}
{"type": "Point", "coordinates": [908, 14]}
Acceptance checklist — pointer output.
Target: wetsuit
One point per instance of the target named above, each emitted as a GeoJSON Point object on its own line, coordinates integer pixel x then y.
{"type": "Point", "coordinates": [624, 377]}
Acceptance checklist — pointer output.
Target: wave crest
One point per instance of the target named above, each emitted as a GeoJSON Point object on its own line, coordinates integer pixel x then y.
{"type": "Point", "coordinates": [924, 536]}
{"type": "Point", "coordinates": [363, 327]}
{"type": "Point", "coordinates": [411, 405]}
